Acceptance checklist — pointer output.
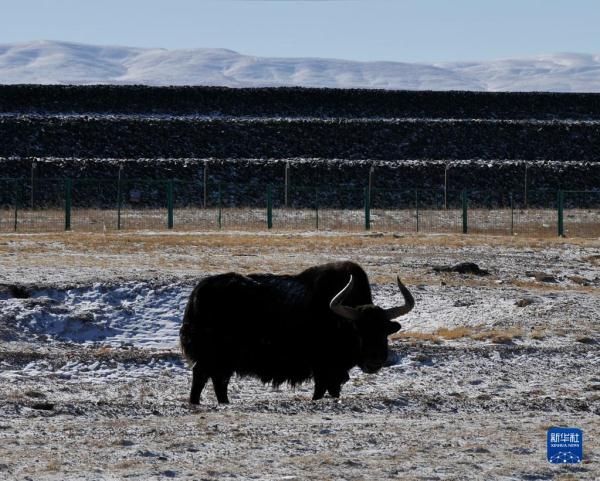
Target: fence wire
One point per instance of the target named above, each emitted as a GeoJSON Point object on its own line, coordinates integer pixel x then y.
{"type": "Point", "coordinates": [36, 206]}
{"type": "Point", "coordinates": [581, 213]}
{"type": "Point", "coordinates": [318, 208]}
{"type": "Point", "coordinates": [416, 210]}
{"type": "Point", "coordinates": [46, 205]}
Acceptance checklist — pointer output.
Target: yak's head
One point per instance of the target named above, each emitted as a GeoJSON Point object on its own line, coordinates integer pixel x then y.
{"type": "Point", "coordinates": [373, 324]}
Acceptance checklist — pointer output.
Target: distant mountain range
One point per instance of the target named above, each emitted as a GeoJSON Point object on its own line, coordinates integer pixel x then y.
{"type": "Point", "coordinates": [48, 62]}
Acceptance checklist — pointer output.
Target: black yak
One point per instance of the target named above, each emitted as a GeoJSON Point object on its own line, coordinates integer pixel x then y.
{"type": "Point", "coordinates": [282, 328]}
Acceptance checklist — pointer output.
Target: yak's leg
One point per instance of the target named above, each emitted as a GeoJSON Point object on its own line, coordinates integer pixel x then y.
{"type": "Point", "coordinates": [220, 383]}
{"type": "Point", "coordinates": [199, 378]}
{"type": "Point", "coordinates": [334, 389]}
{"type": "Point", "coordinates": [320, 388]}
{"type": "Point", "coordinates": [334, 386]}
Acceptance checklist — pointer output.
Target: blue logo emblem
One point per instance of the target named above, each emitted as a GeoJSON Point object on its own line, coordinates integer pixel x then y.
{"type": "Point", "coordinates": [565, 445]}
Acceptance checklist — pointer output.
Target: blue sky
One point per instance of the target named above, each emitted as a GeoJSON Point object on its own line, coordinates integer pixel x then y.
{"type": "Point", "coordinates": [395, 30]}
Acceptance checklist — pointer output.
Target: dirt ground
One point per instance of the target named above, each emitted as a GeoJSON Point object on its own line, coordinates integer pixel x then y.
{"type": "Point", "coordinates": [484, 365]}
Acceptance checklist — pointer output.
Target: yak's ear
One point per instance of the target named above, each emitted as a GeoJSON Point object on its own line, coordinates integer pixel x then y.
{"type": "Point", "coordinates": [392, 327]}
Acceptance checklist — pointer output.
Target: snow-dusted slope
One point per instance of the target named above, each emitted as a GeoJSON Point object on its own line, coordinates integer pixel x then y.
{"type": "Point", "coordinates": [69, 63]}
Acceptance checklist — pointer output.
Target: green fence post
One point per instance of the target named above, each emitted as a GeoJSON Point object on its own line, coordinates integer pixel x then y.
{"type": "Point", "coordinates": [464, 212]}
{"type": "Point", "coordinates": [269, 208]}
{"type": "Point", "coordinates": [219, 213]}
{"type": "Point", "coordinates": [367, 209]}
{"type": "Point", "coordinates": [119, 203]}
{"type": "Point", "coordinates": [561, 226]}
{"type": "Point", "coordinates": [512, 215]}
{"type": "Point", "coordinates": [68, 187]}
{"type": "Point", "coordinates": [417, 207]}
{"type": "Point", "coordinates": [16, 203]}
{"type": "Point", "coordinates": [317, 207]}
{"type": "Point", "coordinates": [170, 204]}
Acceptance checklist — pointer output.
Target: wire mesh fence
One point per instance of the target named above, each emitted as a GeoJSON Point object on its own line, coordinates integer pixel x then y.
{"type": "Point", "coordinates": [93, 205]}
{"type": "Point", "coordinates": [512, 214]}
{"type": "Point", "coordinates": [581, 213]}
{"type": "Point", "coordinates": [45, 205]}
{"type": "Point", "coordinates": [33, 206]}
{"type": "Point", "coordinates": [416, 210]}
{"type": "Point", "coordinates": [318, 208]}
{"type": "Point", "coordinates": [192, 210]}
{"type": "Point", "coordinates": [8, 205]}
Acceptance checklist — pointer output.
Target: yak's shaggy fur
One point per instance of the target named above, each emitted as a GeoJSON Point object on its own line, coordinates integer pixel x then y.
{"type": "Point", "coordinates": [282, 329]}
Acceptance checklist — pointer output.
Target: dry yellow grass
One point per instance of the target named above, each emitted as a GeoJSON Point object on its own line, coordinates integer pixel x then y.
{"type": "Point", "coordinates": [126, 464]}
{"type": "Point", "coordinates": [104, 351]}
{"type": "Point", "coordinates": [436, 336]}
{"type": "Point", "coordinates": [416, 336]}
{"type": "Point", "coordinates": [496, 336]}
{"type": "Point", "coordinates": [456, 333]}
{"type": "Point", "coordinates": [499, 336]}
{"type": "Point", "coordinates": [170, 248]}
{"type": "Point", "coordinates": [550, 287]}
{"type": "Point", "coordinates": [54, 466]}
{"type": "Point", "coordinates": [196, 253]}
{"type": "Point", "coordinates": [134, 241]}
{"type": "Point", "coordinates": [538, 334]}
{"type": "Point", "coordinates": [594, 260]}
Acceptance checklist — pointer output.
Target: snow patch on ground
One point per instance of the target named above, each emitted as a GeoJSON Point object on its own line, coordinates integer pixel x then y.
{"type": "Point", "coordinates": [95, 372]}
{"type": "Point", "coordinates": [134, 313]}
{"type": "Point", "coordinates": [148, 315]}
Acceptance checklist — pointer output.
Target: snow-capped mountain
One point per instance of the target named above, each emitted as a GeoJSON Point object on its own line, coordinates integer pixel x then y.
{"type": "Point", "coordinates": [48, 62]}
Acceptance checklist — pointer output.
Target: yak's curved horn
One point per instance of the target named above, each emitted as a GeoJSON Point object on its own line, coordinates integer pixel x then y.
{"type": "Point", "coordinates": [409, 303]}
{"type": "Point", "coordinates": [336, 303]}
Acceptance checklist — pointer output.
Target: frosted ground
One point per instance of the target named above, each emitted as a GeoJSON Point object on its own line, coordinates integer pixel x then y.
{"type": "Point", "coordinates": [93, 388]}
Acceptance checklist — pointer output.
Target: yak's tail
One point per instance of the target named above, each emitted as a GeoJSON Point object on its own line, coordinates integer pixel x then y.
{"type": "Point", "coordinates": [209, 302]}
{"type": "Point", "coordinates": [188, 333]}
